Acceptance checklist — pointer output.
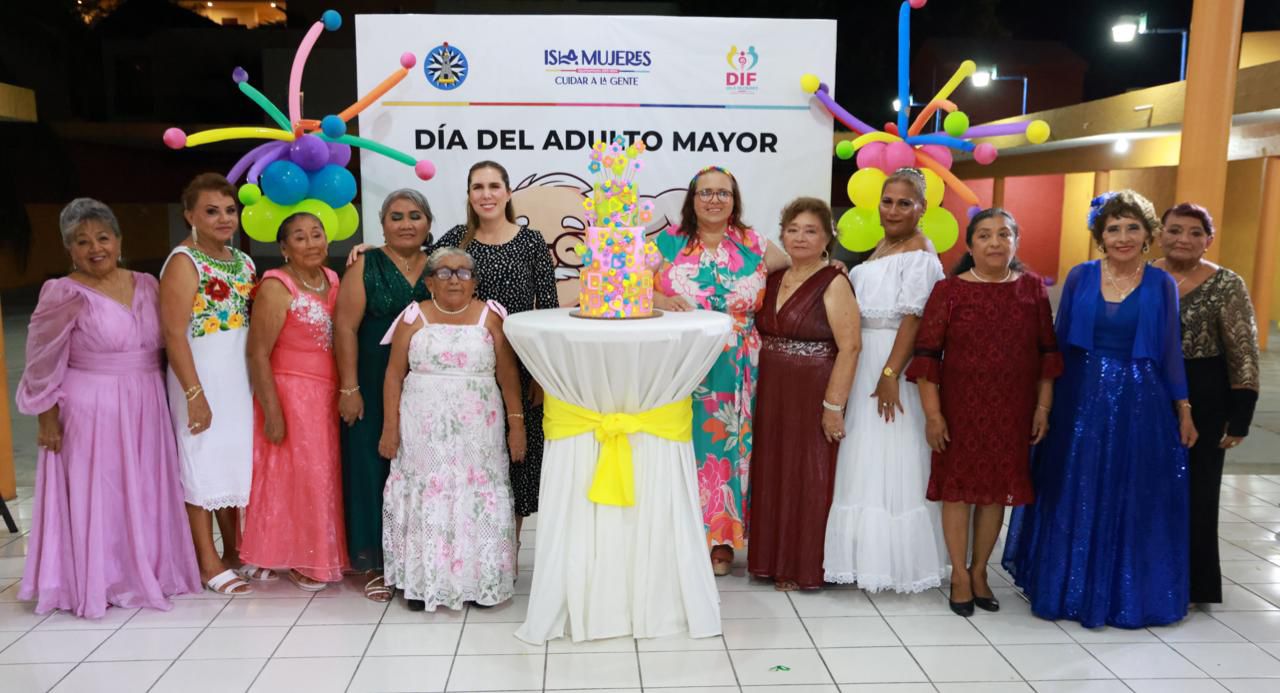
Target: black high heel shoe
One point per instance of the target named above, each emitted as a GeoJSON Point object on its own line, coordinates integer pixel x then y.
{"type": "Point", "coordinates": [987, 603]}
{"type": "Point", "coordinates": [961, 608]}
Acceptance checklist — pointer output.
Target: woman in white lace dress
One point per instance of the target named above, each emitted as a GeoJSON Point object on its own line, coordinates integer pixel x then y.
{"type": "Point", "coordinates": [449, 531]}
{"type": "Point", "coordinates": [882, 533]}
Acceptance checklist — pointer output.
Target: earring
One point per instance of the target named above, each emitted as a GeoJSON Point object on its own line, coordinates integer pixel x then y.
{"type": "Point", "coordinates": [1146, 247]}
{"type": "Point", "coordinates": [195, 237]}
{"type": "Point", "coordinates": [286, 259]}
{"type": "Point", "coordinates": [826, 256]}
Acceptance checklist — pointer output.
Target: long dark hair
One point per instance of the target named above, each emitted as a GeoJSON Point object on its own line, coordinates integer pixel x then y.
{"type": "Point", "coordinates": [966, 262]}
{"type": "Point", "coordinates": [689, 217]}
{"type": "Point", "coordinates": [473, 219]}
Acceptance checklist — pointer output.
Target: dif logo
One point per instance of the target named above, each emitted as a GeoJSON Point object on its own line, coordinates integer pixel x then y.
{"type": "Point", "coordinates": [741, 78]}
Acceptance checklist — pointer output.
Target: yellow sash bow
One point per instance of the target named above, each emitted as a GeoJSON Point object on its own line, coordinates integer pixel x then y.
{"type": "Point", "coordinates": [614, 482]}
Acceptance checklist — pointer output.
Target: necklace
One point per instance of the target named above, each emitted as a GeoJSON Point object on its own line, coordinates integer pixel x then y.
{"type": "Point", "coordinates": [324, 283]}
{"type": "Point", "coordinates": [396, 258]}
{"type": "Point", "coordinates": [1008, 273]}
{"type": "Point", "coordinates": [450, 312]}
{"type": "Point", "coordinates": [1111, 278]}
{"type": "Point", "coordinates": [884, 249]}
{"type": "Point", "coordinates": [1185, 277]}
{"type": "Point", "coordinates": [793, 272]}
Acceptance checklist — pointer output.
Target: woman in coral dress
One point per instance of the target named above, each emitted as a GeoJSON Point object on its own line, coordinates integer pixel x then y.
{"type": "Point", "coordinates": [294, 519]}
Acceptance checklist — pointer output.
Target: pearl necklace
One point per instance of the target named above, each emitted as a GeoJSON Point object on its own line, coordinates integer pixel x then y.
{"type": "Point", "coordinates": [451, 312]}
{"type": "Point", "coordinates": [324, 283]}
{"type": "Point", "coordinates": [1008, 273]}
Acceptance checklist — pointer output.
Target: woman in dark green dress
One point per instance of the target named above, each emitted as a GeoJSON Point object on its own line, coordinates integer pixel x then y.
{"type": "Point", "coordinates": [375, 289]}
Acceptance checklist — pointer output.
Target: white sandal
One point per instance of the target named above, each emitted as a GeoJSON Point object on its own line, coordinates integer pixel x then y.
{"type": "Point", "coordinates": [228, 582]}
{"type": "Point", "coordinates": [249, 571]}
{"type": "Point", "coordinates": [305, 583]}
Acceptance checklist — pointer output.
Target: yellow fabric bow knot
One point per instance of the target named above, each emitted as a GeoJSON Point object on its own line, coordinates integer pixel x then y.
{"type": "Point", "coordinates": [614, 482]}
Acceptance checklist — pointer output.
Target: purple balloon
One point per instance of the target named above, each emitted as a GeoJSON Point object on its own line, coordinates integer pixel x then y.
{"type": "Point", "coordinates": [339, 153]}
{"type": "Point", "coordinates": [309, 152]}
{"type": "Point", "coordinates": [871, 155]}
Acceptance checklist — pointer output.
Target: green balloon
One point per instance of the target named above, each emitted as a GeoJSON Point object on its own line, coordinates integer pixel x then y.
{"type": "Point", "coordinates": [326, 214]}
{"type": "Point", "coordinates": [844, 150]}
{"type": "Point", "coordinates": [859, 229]}
{"type": "Point", "coordinates": [956, 123]}
{"type": "Point", "coordinates": [261, 220]}
{"type": "Point", "coordinates": [250, 194]}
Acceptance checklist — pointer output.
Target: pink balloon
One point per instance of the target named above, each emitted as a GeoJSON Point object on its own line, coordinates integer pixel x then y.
{"type": "Point", "coordinates": [938, 153]}
{"type": "Point", "coordinates": [175, 138]}
{"type": "Point", "coordinates": [917, 4]}
{"type": "Point", "coordinates": [425, 170]}
{"type": "Point", "coordinates": [295, 72]}
{"type": "Point", "coordinates": [984, 153]}
{"type": "Point", "coordinates": [871, 155]}
{"type": "Point", "coordinates": [408, 60]}
{"type": "Point", "coordinates": [898, 155]}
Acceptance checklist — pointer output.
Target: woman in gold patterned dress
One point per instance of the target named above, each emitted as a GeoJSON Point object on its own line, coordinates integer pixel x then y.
{"type": "Point", "coordinates": [1220, 347]}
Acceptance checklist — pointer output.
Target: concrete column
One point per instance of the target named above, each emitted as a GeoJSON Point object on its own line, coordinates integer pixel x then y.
{"type": "Point", "coordinates": [1264, 259]}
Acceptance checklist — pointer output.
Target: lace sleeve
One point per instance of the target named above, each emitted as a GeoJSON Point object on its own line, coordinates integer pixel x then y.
{"type": "Point", "coordinates": [1170, 347]}
{"type": "Point", "coordinates": [1240, 335]}
{"type": "Point", "coordinates": [48, 347]}
{"type": "Point", "coordinates": [931, 338]}
{"type": "Point", "coordinates": [920, 271]}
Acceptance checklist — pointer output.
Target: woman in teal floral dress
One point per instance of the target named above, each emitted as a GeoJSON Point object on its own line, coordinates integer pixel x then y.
{"type": "Point", "coordinates": [715, 262]}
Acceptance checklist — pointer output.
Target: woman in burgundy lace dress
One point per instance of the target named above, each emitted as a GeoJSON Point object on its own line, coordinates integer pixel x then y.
{"type": "Point", "coordinates": [985, 360]}
{"type": "Point", "coordinates": [810, 329]}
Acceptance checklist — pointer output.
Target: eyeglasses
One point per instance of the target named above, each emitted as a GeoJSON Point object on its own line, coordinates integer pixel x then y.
{"type": "Point", "coordinates": [444, 274]}
{"type": "Point", "coordinates": [707, 193]}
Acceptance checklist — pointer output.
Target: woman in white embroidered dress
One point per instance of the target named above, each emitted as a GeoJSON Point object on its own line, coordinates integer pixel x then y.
{"type": "Point", "coordinates": [449, 532]}
{"type": "Point", "coordinates": [882, 533]}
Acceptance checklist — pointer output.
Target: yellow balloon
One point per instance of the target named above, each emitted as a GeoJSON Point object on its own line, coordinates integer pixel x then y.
{"type": "Point", "coordinates": [1038, 132]}
{"type": "Point", "coordinates": [933, 188]}
{"type": "Point", "coordinates": [261, 220]}
{"type": "Point", "coordinates": [859, 229]}
{"type": "Point", "coordinates": [328, 218]}
{"type": "Point", "coordinates": [865, 186]}
{"type": "Point", "coordinates": [348, 222]}
{"type": "Point", "coordinates": [238, 133]}
{"type": "Point", "coordinates": [810, 83]}
{"type": "Point", "coordinates": [940, 226]}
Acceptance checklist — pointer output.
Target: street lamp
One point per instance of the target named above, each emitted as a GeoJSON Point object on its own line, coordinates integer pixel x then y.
{"type": "Point", "coordinates": [983, 77]}
{"type": "Point", "coordinates": [1129, 26]}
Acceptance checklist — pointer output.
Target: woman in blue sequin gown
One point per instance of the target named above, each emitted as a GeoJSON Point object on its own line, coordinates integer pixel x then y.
{"type": "Point", "coordinates": [1105, 542]}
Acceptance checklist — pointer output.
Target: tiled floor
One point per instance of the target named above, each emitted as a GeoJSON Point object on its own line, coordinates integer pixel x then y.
{"type": "Point", "coordinates": [281, 639]}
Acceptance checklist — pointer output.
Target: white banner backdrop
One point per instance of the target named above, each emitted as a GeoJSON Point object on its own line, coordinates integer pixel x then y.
{"type": "Point", "coordinates": [534, 92]}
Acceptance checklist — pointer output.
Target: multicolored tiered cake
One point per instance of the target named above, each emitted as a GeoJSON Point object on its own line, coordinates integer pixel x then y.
{"type": "Point", "coordinates": [617, 263]}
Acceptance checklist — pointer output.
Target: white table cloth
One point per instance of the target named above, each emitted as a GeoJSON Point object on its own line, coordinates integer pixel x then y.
{"type": "Point", "coordinates": [606, 571]}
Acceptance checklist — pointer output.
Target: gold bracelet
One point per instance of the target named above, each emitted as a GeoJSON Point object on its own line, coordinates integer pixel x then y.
{"type": "Point", "coordinates": [515, 416]}
{"type": "Point", "coordinates": [193, 392]}
{"type": "Point", "coordinates": [349, 390]}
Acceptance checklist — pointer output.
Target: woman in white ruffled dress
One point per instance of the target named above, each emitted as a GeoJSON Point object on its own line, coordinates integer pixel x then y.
{"type": "Point", "coordinates": [882, 533]}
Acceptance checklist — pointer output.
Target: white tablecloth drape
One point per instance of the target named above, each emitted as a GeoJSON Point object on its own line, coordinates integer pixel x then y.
{"type": "Point", "coordinates": [605, 571]}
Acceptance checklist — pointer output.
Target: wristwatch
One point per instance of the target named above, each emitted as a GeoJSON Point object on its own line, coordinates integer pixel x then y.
{"type": "Point", "coordinates": [889, 373]}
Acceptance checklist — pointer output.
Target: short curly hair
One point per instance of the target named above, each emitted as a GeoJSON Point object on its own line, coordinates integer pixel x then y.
{"type": "Point", "coordinates": [813, 206]}
{"type": "Point", "coordinates": [1123, 203]}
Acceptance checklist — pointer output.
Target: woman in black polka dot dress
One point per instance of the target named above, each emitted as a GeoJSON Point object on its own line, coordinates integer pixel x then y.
{"type": "Point", "coordinates": [513, 267]}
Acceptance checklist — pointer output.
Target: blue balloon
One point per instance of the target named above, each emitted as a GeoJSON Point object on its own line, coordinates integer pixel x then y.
{"type": "Point", "coordinates": [333, 127]}
{"type": "Point", "coordinates": [331, 19]}
{"type": "Point", "coordinates": [284, 182]}
{"type": "Point", "coordinates": [333, 185]}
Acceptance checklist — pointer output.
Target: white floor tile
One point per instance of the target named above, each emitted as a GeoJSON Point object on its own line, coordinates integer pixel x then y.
{"type": "Point", "coordinates": [985, 687]}
{"type": "Point", "coordinates": [341, 611]}
{"type": "Point", "coordinates": [872, 665]}
{"type": "Point", "coordinates": [1251, 572]}
{"type": "Point", "coordinates": [766, 634]}
{"type": "Point", "coordinates": [667, 669]}
{"type": "Point", "coordinates": [1198, 626]}
{"type": "Point", "coordinates": [779, 667]}
{"type": "Point", "coordinates": [11, 567]}
{"type": "Point", "coordinates": [1223, 661]}
{"type": "Point", "coordinates": [742, 582]}
{"type": "Point", "coordinates": [113, 619]}
{"type": "Point", "coordinates": [1175, 686]}
{"type": "Point", "coordinates": [935, 630]}
{"type": "Point", "coordinates": [511, 611]}
{"type": "Point", "coordinates": [1020, 629]}
{"type": "Point", "coordinates": [887, 688]}
{"type": "Point", "coordinates": [415, 640]}
{"type": "Point", "coordinates": [209, 676]}
{"type": "Point", "coordinates": [793, 688]}
{"type": "Point", "coordinates": [33, 677]}
{"type": "Point", "coordinates": [1250, 685]}
{"type": "Point", "coordinates": [120, 677]}
{"type": "Point", "coordinates": [1107, 634]}
{"type": "Point", "coordinates": [1240, 598]}
{"type": "Point", "coordinates": [734, 605]}
{"type": "Point", "coordinates": [832, 603]}
{"type": "Point", "coordinates": [260, 612]}
{"type": "Point", "coordinates": [1096, 686]}
{"type": "Point", "coordinates": [927, 603]}
{"type": "Point", "coordinates": [145, 644]}
{"type": "Point", "coordinates": [492, 639]}
{"type": "Point", "coordinates": [401, 675]}
{"type": "Point", "coordinates": [966, 663]}
{"type": "Point", "coordinates": [1054, 662]}
{"type": "Point", "coordinates": [398, 612]}
{"type": "Point", "coordinates": [592, 670]}
{"type": "Point", "coordinates": [1233, 531]}
{"type": "Point", "coordinates": [1269, 593]}
{"type": "Point", "coordinates": [326, 641]}
{"type": "Point", "coordinates": [190, 613]}
{"type": "Point", "coordinates": [1257, 626]}
{"type": "Point", "coordinates": [41, 647]}
{"type": "Point", "coordinates": [19, 616]}
{"type": "Point", "coordinates": [852, 631]}
{"type": "Point", "coordinates": [568, 646]}
{"type": "Point", "coordinates": [1145, 661]}
{"type": "Point", "coordinates": [236, 643]}
{"type": "Point", "coordinates": [680, 643]}
{"type": "Point", "coordinates": [497, 673]}
{"type": "Point", "coordinates": [318, 675]}
{"type": "Point", "coordinates": [9, 590]}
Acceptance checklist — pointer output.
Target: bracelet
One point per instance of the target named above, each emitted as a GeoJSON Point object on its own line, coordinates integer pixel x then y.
{"type": "Point", "coordinates": [193, 392]}
{"type": "Point", "coordinates": [515, 416]}
{"type": "Point", "coordinates": [1185, 405]}
{"type": "Point", "coordinates": [349, 390]}
{"type": "Point", "coordinates": [832, 407]}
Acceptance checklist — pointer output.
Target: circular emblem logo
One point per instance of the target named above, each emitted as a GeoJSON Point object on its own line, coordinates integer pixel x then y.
{"type": "Point", "coordinates": [445, 67]}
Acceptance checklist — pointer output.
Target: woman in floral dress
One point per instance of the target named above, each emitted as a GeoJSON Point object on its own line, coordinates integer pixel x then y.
{"type": "Point", "coordinates": [715, 262]}
{"type": "Point", "coordinates": [449, 529]}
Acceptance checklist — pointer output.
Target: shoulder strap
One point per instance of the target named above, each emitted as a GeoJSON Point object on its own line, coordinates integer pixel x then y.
{"type": "Point", "coordinates": [411, 314]}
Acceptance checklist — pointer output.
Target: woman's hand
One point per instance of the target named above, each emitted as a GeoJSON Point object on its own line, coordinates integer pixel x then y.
{"type": "Point", "coordinates": [936, 433]}
{"type": "Point", "coordinates": [49, 435]}
{"type": "Point", "coordinates": [273, 427]}
{"type": "Point", "coordinates": [1187, 428]}
{"type": "Point", "coordinates": [389, 443]}
{"type": "Point", "coordinates": [357, 251]}
{"type": "Point", "coordinates": [199, 416]}
{"type": "Point", "coordinates": [517, 440]}
{"type": "Point", "coordinates": [832, 425]}
{"type": "Point", "coordinates": [351, 407]}
{"type": "Point", "coordinates": [844, 269]}
{"type": "Point", "coordinates": [1039, 425]}
{"type": "Point", "coordinates": [888, 400]}
{"type": "Point", "coordinates": [1229, 441]}
{"type": "Point", "coordinates": [676, 304]}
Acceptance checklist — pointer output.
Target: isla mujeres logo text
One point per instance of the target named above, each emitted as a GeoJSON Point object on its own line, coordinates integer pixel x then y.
{"type": "Point", "coordinates": [600, 66]}
{"type": "Point", "coordinates": [446, 67]}
{"type": "Point", "coordinates": [740, 79]}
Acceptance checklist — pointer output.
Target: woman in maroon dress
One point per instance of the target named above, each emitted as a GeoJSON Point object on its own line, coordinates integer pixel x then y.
{"type": "Point", "coordinates": [809, 325]}
{"type": "Point", "coordinates": [985, 360]}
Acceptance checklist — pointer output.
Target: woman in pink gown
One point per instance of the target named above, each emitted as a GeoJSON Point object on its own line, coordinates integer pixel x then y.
{"type": "Point", "coordinates": [109, 527]}
{"type": "Point", "coordinates": [294, 518]}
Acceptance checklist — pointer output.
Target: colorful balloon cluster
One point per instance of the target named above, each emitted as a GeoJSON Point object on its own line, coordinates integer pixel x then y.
{"type": "Point", "coordinates": [615, 200]}
{"type": "Point", "coordinates": [899, 145]}
{"type": "Point", "coordinates": [304, 168]}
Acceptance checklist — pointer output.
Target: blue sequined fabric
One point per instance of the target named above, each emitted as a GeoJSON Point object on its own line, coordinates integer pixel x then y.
{"type": "Point", "coordinates": [1106, 542]}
